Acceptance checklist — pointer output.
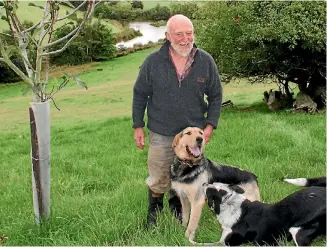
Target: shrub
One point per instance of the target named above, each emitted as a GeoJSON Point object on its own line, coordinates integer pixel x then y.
{"type": "Point", "coordinates": [285, 40]}
{"type": "Point", "coordinates": [95, 43]}
{"type": "Point", "coordinates": [137, 4]}
{"type": "Point", "coordinates": [188, 9]}
{"type": "Point", "coordinates": [9, 76]}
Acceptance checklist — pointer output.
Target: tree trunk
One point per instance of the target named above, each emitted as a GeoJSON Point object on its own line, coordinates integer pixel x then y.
{"type": "Point", "coordinates": [40, 158]}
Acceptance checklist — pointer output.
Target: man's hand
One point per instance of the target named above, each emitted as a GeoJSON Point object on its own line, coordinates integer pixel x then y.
{"type": "Point", "coordinates": [139, 138]}
{"type": "Point", "coordinates": [207, 132]}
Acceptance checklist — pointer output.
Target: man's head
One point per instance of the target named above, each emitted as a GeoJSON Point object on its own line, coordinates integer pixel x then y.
{"type": "Point", "coordinates": [180, 33]}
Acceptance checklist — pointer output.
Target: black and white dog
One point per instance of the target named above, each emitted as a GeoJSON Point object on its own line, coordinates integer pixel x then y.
{"type": "Point", "coordinates": [191, 169]}
{"type": "Point", "coordinates": [301, 215]}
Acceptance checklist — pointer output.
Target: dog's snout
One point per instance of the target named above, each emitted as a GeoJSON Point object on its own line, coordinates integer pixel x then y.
{"type": "Point", "coordinates": [199, 140]}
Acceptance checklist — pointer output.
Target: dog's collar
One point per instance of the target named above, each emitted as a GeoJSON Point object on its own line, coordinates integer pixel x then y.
{"type": "Point", "coordinates": [186, 162]}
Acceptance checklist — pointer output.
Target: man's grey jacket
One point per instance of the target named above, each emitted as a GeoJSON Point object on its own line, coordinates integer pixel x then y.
{"type": "Point", "coordinates": [171, 105]}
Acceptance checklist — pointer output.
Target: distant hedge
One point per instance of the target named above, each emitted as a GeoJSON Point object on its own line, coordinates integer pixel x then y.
{"type": "Point", "coordinates": [123, 11]}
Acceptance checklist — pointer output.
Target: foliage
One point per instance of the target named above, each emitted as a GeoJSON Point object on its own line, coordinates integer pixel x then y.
{"type": "Point", "coordinates": [9, 76]}
{"type": "Point", "coordinates": [127, 34]}
{"type": "Point", "coordinates": [285, 40]}
{"type": "Point", "coordinates": [123, 11]}
{"type": "Point", "coordinates": [158, 13]}
{"type": "Point", "coordinates": [137, 4]}
{"type": "Point", "coordinates": [188, 9]}
{"type": "Point", "coordinates": [114, 12]}
{"type": "Point", "coordinates": [95, 43]}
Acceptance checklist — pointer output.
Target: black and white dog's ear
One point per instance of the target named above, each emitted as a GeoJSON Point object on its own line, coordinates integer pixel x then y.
{"type": "Point", "coordinates": [237, 189]}
{"type": "Point", "coordinates": [210, 192]}
{"type": "Point", "coordinates": [213, 200]}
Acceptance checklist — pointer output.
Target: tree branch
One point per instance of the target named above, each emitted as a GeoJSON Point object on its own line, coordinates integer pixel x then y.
{"type": "Point", "coordinates": [34, 26]}
{"type": "Point", "coordinates": [65, 46]}
{"type": "Point", "coordinates": [63, 38]}
{"type": "Point", "coordinates": [73, 34]}
{"type": "Point", "coordinates": [7, 60]}
{"type": "Point", "coordinates": [97, 3]}
{"type": "Point", "coordinates": [75, 10]}
{"type": "Point", "coordinates": [5, 34]}
{"type": "Point", "coordinates": [59, 19]}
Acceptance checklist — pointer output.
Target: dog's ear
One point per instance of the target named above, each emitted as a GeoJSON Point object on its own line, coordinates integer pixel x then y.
{"type": "Point", "coordinates": [213, 200]}
{"type": "Point", "coordinates": [237, 189]}
{"type": "Point", "coordinates": [176, 139]}
{"type": "Point", "coordinates": [210, 194]}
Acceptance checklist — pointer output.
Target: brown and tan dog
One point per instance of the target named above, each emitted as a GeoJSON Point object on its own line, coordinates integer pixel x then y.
{"type": "Point", "coordinates": [190, 170]}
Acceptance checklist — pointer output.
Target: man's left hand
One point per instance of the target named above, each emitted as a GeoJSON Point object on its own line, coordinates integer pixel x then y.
{"type": "Point", "coordinates": [207, 132]}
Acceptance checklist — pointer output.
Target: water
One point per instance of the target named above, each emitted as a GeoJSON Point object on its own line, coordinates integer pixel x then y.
{"type": "Point", "coordinates": [149, 33]}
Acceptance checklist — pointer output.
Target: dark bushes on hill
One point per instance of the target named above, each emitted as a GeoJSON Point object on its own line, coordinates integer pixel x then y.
{"type": "Point", "coordinates": [95, 43]}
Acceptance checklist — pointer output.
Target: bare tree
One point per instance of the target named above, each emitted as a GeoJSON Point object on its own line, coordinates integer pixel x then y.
{"type": "Point", "coordinates": [40, 37]}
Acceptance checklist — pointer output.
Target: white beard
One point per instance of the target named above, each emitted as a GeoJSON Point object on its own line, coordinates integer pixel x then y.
{"type": "Point", "coordinates": [180, 52]}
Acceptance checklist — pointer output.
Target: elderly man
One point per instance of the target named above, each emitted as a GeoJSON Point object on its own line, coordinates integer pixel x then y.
{"type": "Point", "coordinates": [171, 85]}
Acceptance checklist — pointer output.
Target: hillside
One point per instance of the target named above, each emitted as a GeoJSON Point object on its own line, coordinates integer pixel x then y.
{"type": "Point", "coordinates": [34, 14]}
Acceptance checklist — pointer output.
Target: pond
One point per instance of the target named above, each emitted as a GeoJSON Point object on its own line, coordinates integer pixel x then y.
{"type": "Point", "coordinates": [149, 33]}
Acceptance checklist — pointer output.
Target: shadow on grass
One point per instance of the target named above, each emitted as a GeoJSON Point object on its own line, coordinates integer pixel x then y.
{"type": "Point", "coordinates": [256, 107]}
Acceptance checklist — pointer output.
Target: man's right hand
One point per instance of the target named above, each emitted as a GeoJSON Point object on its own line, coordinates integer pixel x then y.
{"type": "Point", "coordinates": [139, 138]}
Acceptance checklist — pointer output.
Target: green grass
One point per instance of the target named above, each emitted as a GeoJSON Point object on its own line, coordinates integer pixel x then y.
{"type": "Point", "coordinates": [98, 191]}
{"type": "Point", "coordinates": [152, 4]}
{"type": "Point", "coordinates": [34, 14]}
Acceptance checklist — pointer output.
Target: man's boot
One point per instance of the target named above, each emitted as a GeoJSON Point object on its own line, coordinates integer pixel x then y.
{"type": "Point", "coordinates": [175, 205]}
{"type": "Point", "coordinates": [155, 206]}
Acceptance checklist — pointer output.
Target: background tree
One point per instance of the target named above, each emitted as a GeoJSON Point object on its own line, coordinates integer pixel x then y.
{"type": "Point", "coordinates": [282, 40]}
{"type": "Point", "coordinates": [188, 9]}
{"type": "Point", "coordinates": [95, 43]}
{"type": "Point", "coordinates": [33, 46]}
{"type": "Point", "coordinates": [137, 4]}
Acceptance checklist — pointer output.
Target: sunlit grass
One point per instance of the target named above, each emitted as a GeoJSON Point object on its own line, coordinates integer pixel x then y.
{"type": "Point", "coordinates": [34, 14]}
{"type": "Point", "coordinates": [98, 193]}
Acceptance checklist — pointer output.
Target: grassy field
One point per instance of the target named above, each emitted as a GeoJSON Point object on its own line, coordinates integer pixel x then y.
{"type": "Point", "coordinates": [34, 14]}
{"type": "Point", "coordinates": [152, 4]}
{"type": "Point", "coordinates": [99, 196]}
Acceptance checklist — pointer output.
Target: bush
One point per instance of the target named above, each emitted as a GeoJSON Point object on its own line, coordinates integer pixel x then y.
{"type": "Point", "coordinates": [123, 11]}
{"type": "Point", "coordinates": [137, 4]}
{"type": "Point", "coordinates": [9, 76]}
{"type": "Point", "coordinates": [188, 9]}
{"type": "Point", "coordinates": [127, 34]}
{"type": "Point", "coordinates": [285, 40]}
{"type": "Point", "coordinates": [157, 13]}
{"type": "Point", "coordinates": [95, 43]}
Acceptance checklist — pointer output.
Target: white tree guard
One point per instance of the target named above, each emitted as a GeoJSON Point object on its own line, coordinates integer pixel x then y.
{"type": "Point", "coordinates": [41, 112]}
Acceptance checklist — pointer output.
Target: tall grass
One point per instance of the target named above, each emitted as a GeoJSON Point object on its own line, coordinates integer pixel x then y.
{"type": "Point", "coordinates": [98, 193]}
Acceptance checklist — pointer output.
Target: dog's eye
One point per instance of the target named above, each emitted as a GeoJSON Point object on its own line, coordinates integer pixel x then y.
{"type": "Point", "coordinates": [188, 133]}
{"type": "Point", "coordinates": [201, 133]}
